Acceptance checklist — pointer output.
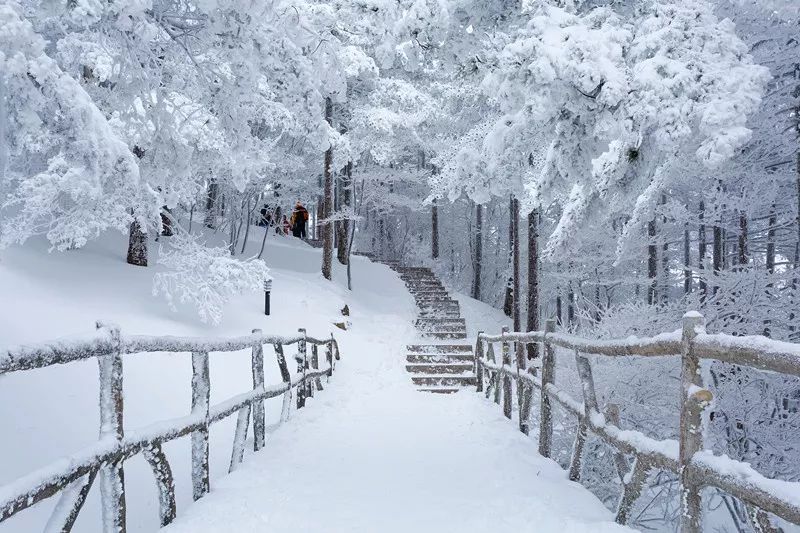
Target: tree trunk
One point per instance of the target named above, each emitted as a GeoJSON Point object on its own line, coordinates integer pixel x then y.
{"type": "Point", "coordinates": [570, 306]}
{"type": "Point", "coordinates": [773, 220]}
{"type": "Point", "coordinates": [327, 229]}
{"type": "Point", "coordinates": [434, 230]}
{"type": "Point", "coordinates": [717, 255]}
{"type": "Point", "coordinates": [743, 255]}
{"type": "Point", "coordinates": [137, 245]}
{"type": "Point", "coordinates": [533, 280]}
{"type": "Point", "coordinates": [687, 262]}
{"type": "Point", "coordinates": [515, 267]}
{"type": "Point", "coordinates": [166, 222]}
{"type": "Point", "coordinates": [508, 301]}
{"type": "Point", "coordinates": [343, 227]}
{"type": "Point", "coordinates": [477, 261]}
{"type": "Point", "coordinates": [211, 204]}
{"type": "Point", "coordinates": [664, 257]}
{"type": "Point", "coordinates": [558, 306]}
{"type": "Point", "coordinates": [652, 263]}
{"type": "Point", "coordinates": [701, 253]}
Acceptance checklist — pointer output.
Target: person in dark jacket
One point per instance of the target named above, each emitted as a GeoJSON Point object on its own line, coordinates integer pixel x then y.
{"type": "Point", "coordinates": [299, 221]}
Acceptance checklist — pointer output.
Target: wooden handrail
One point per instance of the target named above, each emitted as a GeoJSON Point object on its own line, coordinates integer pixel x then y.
{"type": "Point", "coordinates": [696, 468]}
{"type": "Point", "coordinates": [73, 477]}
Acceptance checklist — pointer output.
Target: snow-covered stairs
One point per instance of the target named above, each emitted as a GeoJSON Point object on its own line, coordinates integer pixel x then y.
{"type": "Point", "coordinates": [440, 367]}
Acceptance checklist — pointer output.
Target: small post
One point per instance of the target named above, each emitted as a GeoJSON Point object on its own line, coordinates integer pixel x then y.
{"type": "Point", "coordinates": [267, 292]}
{"type": "Point", "coordinates": [112, 476]}
{"type": "Point", "coordinates": [478, 360]}
{"type": "Point", "coordinates": [257, 364]}
{"type": "Point", "coordinates": [506, 378]}
{"type": "Point", "coordinates": [302, 365]}
{"type": "Point", "coordinates": [546, 407]}
{"type": "Point", "coordinates": [201, 389]}
{"type": "Point", "coordinates": [693, 400]}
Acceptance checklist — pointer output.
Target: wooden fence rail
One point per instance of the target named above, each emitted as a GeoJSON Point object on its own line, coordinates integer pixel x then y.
{"type": "Point", "coordinates": [73, 477]}
{"type": "Point", "coordinates": [696, 468]}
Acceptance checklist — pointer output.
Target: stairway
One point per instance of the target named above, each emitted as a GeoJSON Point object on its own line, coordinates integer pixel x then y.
{"type": "Point", "coordinates": [441, 365]}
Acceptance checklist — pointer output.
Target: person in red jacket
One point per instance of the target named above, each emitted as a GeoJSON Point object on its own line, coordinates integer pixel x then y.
{"type": "Point", "coordinates": [299, 221]}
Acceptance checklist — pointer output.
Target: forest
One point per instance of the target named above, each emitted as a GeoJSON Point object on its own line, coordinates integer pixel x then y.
{"type": "Point", "coordinates": [607, 163]}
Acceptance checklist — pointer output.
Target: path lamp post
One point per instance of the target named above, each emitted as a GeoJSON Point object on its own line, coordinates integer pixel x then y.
{"type": "Point", "coordinates": [267, 291]}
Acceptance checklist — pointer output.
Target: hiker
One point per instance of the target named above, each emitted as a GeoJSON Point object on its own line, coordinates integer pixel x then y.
{"type": "Point", "coordinates": [286, 225]}
{"type": "Point", "coordinates": [299, 219]}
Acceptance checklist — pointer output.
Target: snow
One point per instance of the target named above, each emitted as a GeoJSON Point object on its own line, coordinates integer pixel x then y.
{"type": "Point", "coordinates": [371, 454]}
{"type": "Point", "coordinates": [54, 411]}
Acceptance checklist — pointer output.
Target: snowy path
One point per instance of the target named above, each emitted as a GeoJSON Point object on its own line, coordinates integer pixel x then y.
{"type": "Point", "coordinates": [371, 454]}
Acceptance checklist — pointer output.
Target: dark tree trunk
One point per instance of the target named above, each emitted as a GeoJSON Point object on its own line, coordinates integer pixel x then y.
{"type": "Point", "coordinates": [652, 263]}
{"type": "Point", "coordinates": [343, 226]}
{"type": "Point", "coordinates": [327, 229]}
{"type": "Point", "coordinates": [701, 253]}
{"type": "Point", "coordinates": [533, 280]}
{"type": "Point", "coordinates": [664, 257]}
{"type": "Point", "coordinates": [687, 262]}
{"type": "Point", "coordinates": [508, 301]}
{"type": "Point", "coordinates": [558, 306]}
{"type": "Point", "coordinates": [477, 262]}
{"type": "Point", "coordinates": [137, 245]}
{"type": "Point", "coordinates": [434, 230]}
{"type": "Point", "coordinates": [717, 256]}
{"type": "Point", "coordinates": [743, 255]}
{"type": "Point", "coordinates": [166, 222]}
{"type": "Point", "coordinates": [570, 306]}
{"type": "Point", "coordinates": [515, 267]}
{"type": "Point", "coordinates": [211, 204]}
{"type": "Point", "coordinates": [773, 220]}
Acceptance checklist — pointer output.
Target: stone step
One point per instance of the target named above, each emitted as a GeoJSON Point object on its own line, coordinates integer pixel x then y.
{"type": "Point", "coordinates": [448, 301]}
{"type": "Point", "coordinates": [445, 334]}
{"type": "Point", "coordinates": [443, 328]}
{"type": "Point", "coordinates": [432, 300]}
{"type": "Point", "coordinates": [439, 368]}
{"type": "Point", "coordinates": [444, 380]}
{"type": "Point", "coordinates": [439, 314]}
{"type": "Point", "coordinates": [457, 358]}
{"type": "Point", "coordinates": [439, 348]}
{"type": "Point", "coordinates": [439, 390]}
{"type": "Point", "coordinates": [458, 320]}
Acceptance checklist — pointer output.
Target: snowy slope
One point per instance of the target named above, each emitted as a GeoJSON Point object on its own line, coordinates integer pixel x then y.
{"type": "Point", "coordinates": [53, 412]}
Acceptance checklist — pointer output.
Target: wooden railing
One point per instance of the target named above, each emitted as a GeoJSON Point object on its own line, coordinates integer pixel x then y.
{"type": "Point", "coordinates": [697, 468]}
{"type": "Point", "coordinates": [73, 478]}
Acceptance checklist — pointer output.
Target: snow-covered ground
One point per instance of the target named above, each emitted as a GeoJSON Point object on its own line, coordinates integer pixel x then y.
{"type": "Point", "coordinates": [368, 454]}
{"type": "Point", "coordinates": [50, 413]}
{"type": "Point", "coordinates": [372, 454]}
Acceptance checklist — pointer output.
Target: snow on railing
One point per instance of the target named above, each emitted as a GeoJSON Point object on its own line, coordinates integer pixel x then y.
{"type": "Point", "coordinates": [72, 477]}
{"type": "Point", "coordinates": [696, 467]}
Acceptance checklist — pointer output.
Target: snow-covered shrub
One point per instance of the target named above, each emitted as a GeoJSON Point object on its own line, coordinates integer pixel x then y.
{"type": "Point", "coordinates": [205, 277]}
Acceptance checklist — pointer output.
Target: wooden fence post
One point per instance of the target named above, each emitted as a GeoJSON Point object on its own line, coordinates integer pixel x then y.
{"type": "Point", "coordinates": [315, 364]}
{"type": "Point", "coordinates": [589, 406]}
{"type": "Point", "coordinates": [112, 476]}
{"type": "Point", "coordinates": [506, 378]}
{"type": "Point", "coordinates": [693, 399]}
{"type": "Point", "coordinates": [545, 406]}
{"type": "Point", "coordinates": [287, 378]}
{"type": "Point", "coordinates": [201, 390]}
{"type": "Point", "coordinates": [257, 364]}
{"type": "Point", "coordinates": [302, 365]}
{"type": "Point", "coordinates": [522, 387]}
{"type": "Point", "coordinates": [329, 357]}
{"type": "Point", "coordinates": [477, 366]}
